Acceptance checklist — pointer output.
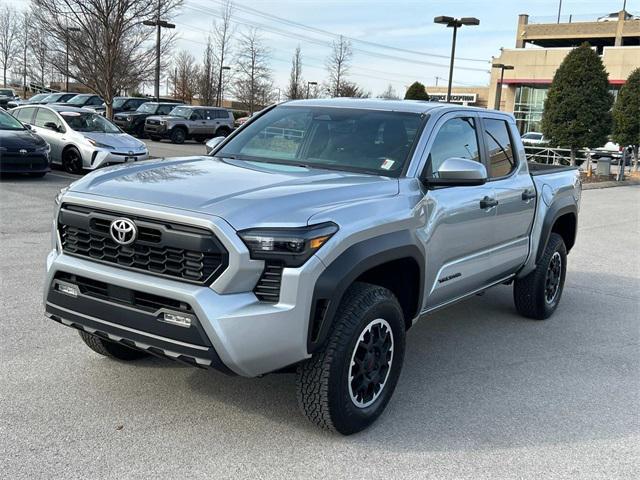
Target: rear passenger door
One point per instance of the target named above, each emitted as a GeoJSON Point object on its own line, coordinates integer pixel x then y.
{"type": "Point", "coordinates": [514, 191]}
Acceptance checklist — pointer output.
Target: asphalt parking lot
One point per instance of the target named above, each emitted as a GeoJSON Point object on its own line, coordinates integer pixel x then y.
{"type": "Point", "coordinates": [483, 394]}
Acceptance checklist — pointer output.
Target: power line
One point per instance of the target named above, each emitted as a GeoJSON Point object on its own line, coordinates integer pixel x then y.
{"type": "Point", "coordinates": [352, 39]}
{"type": "Point", "coordinates": [297, 36]}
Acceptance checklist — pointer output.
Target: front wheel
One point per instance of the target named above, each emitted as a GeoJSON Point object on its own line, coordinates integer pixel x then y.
{"type": "Point", "coordinates": [178, 135]}
{"type": "Point", "coordinates": [346, 386]}
{"type": "Point", "coordinates": [72, 161]}
{"type": "Point", "coordinates": [537, 295]}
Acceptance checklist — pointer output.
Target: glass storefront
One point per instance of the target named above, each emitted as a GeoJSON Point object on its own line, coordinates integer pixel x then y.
{"type": "Point", "coordinates": [528, 107]}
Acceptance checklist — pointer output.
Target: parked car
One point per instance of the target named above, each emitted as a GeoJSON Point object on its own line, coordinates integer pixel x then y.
{"type": "Point", "coordinates": [534, 138]}
{"type": "Point", "coordinates": [313, 238]}
{"type": "Point", "coordinates": [7, 95]}
{"type": "Point", "coordinates": [85, 100]}
{"type": "Point", "coordinates": [21, 151]}
{"type": "Point", "coordinates": [60, 97]}
{"type": "Point", "coordinates": [186, 122]}
{"type": "Point", "coordinates": [122, 104]}
{"type": "Point", "coordinates": [80, 139]}
{"type": "Point", "coordinates": [133, 122]}
{"type": "Point", "coordinates": [30, 101]}
{"type": "Point", "coordinates": [611, 151]}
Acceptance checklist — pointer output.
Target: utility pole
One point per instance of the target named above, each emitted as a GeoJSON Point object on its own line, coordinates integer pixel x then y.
{"type": "Point", "coordinates": [559, 10]}
{"type": "Point", "coordinates": [24, 55]}
{"type": "Point", "coordinates": [454, 23]}
{"type": "Point", "coordinates": [66, 68]}
{"type": "Point", "coordinates": [159, 24]}
{"type": "Point", "coordinates": [502, 68]}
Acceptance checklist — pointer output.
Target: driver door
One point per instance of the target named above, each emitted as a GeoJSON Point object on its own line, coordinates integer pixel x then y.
{"type": "Point", "coordinates": [459, 232]}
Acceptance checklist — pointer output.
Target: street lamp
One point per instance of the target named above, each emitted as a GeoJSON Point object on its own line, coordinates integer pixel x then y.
{"type": "Point", "coordinates": [66, 70]}
{"type": "Point", "coordinates": [454, 23]}
{"type": "Point", "coordinates": [221, 89]}
{"type": "Point", "coordinates": [308, 85]}
{"type": "Point", "coordinates": [502, 68]}
{"type": "Point", "coordinates": [159, 24]}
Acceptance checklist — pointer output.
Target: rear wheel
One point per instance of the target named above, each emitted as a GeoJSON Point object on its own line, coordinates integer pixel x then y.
{"type": "Point", "coordinates": [537, 295]}
{"type": "Point", "coordinates": [72, 161]}
{"type": "Point", "coordinates": [178, 135]}
{"type": "Point", "coordinates": [111, 349]}
{"type": "Point", "coordinates": [346, 386]}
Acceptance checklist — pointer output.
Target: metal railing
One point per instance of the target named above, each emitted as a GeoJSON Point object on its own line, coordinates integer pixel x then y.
{"type": "Point", "coordinates": [553, 156]}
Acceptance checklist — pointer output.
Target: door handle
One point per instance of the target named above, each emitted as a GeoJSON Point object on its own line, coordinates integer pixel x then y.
{"type": "Point", "coordinates": [528, 195]}
{"type": "Point", "coordinates": [488, 202]}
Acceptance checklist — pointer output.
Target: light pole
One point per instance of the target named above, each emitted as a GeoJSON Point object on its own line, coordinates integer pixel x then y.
{"type": "Point", "coordinates": [502, 68]}
{"type": "Point", "coordinates": [308, 85]}
{"type": "Point", "coordinates": [159, 24]}
{"type": "Point", "coordinates": [454, 23]}
{"type": "Point", "coordinates": [221, 87]}
{"type": "Point", "coordinates": [66, 68]}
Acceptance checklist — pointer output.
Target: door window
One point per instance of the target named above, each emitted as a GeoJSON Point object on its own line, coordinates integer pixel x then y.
{"type": "Point", "coordinates": [196, 115]}
{"type": "Point", "coordinates": [25, 115]}
{"type": "Point", "coordinates": [456, 138]}
{"type": "Point", "coordinates": [95, 101]}
{"type": "Point", "coordinates": [44, 119]}
{"type": "Point", "coordinates": [501, 158]}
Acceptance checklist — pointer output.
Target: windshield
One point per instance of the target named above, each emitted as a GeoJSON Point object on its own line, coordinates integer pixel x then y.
{"type": "Point", "coordinates": [7, 122]}
{"type": "Point", "coordinates": [89, 122]}
{"type": "Point", "coordinates": [79, 100]}
{"type": "Point", "coordinates": [348, 139]}
{"type": "Point", "coordinates": [53, 97]}
{"type": "Point", "coordinates": [7, 93]}
{"type": "Point", "coordinates": [38, 97]}
{"type": "Point", "coordinates": [147, 108]}
{"type": "Point", "coordinates": [118, 102]}
{"type": "Point", "coordinates": [184, 112]}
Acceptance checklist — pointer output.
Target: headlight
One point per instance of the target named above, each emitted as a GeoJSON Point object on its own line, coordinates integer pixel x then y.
{"type": "Point", "coordinates": [129, 119]}
{"type": "Point", "coordinates": [292, 246]}
{"type": "Point", "coordinates": [162, 122]}
{"type": "Point", "coordinates": [58, 199]}
{"type": "Point", "coordinates": [98, 144]}
{"type": "Point", "coordinates": [46, 148]}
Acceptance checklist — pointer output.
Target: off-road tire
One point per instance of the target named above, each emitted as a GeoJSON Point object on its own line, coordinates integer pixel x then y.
{"type": "Point", "coordinates": [323, 381]}
{"type": "Point", "coordinates": [111, 349]}
{"type": "Point", "coordinates": [178, 135]}
{"type": "Point", "coordinates": [529, 292]}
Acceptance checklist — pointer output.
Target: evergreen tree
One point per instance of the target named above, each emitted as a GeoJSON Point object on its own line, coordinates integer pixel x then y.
{"type": "Point", "coordinates": [416, 91]}
{"type": "Point", "coordinates": [626, 114]}
{"type": "Point", "coordinates": [577, 111]}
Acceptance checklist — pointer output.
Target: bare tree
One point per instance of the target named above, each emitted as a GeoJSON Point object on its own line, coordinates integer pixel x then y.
{"type": "Point", "coordinates": [207, 80]}
{"type": "Point", "coordinates": [389, 93]}
{"type": "Point", "coordinates": [9, 39]}
{"type": "Point", "coordinates": [223, 33]}
{"type": "Point", "coordinates": [338, 64]}
{"type": "Point", "coordinates": [295, 89]}
{"type": "Point", "coordinates": [40, 53]}
{"type": "Point", "coordinates": [25, 27]}
{"type": "Point", "coordinates": [111, 50]}
{"type": "Point", "coordinates": [186, 81]}
{"type": "Point", "coordinates": [253, 70]}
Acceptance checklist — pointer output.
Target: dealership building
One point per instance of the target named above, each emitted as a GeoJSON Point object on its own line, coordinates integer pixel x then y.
{"type": "Point", "coordinates": [539, 50]}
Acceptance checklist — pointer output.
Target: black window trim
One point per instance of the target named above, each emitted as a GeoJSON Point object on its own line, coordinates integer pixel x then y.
{"type": "Point", "coordinates": [487, 157]}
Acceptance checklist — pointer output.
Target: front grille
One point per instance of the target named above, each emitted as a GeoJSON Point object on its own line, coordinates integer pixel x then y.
{"type": "Point", "coordinates": [153, 122]}
{"type": "Point", "coordinates": [16, 162]}
{"type": "Point", "coordinates": [268, 287]}
{"type": "Point", "coordinates": [165, 249]}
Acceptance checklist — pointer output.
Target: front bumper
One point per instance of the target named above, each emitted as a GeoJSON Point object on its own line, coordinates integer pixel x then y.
{"type": "Point", "coordinates": [30, 163]}
{"type": "Point", "coordinates": [155, 130]}
{"type": "Point", "coordinates": [246, 336]}
{"type": "Point", "coordinates": [102, 157]}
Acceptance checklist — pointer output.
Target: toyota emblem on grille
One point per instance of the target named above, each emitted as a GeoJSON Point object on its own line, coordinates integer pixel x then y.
{"type": "Point", "coordinates": [22, 151]}
{"type": "Point", "coordinates": [123, 231]}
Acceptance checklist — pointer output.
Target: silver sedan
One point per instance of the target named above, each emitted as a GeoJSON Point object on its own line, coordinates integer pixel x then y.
{"type": "Point", "coordinates": [79, 138]}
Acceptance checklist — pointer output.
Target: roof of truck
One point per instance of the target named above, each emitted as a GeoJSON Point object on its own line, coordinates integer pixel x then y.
{"type": "Point", "coordinates": [409, 106]}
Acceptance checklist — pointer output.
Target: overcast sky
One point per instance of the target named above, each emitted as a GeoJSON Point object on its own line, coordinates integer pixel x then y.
{"type": "Point", "coordinates": [404, 24]}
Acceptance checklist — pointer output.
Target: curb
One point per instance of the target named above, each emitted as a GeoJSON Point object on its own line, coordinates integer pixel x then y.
{"type": "Point", "coordinates": [609, 184]}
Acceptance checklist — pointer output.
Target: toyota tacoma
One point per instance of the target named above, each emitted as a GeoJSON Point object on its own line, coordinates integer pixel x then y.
{"type": "Point", "coordinates": [311, 240]}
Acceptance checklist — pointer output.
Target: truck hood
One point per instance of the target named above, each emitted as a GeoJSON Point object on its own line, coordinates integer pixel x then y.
{"type": "Point", "coordinates": [245, 194]}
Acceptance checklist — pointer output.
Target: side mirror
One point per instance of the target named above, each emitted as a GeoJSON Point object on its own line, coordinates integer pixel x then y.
{"type": "Point", "coordinates": [51, 126]}
{"type": "Point", "coordinates": [213, 144]}
{"type": "Point", "coordinates": [459, 172]}
{"type": "Point", "coordinates": [27, 126]}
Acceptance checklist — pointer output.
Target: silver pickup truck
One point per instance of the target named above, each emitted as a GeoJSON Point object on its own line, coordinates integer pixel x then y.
{"type": "Point", "coordinates": [312, 239]}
